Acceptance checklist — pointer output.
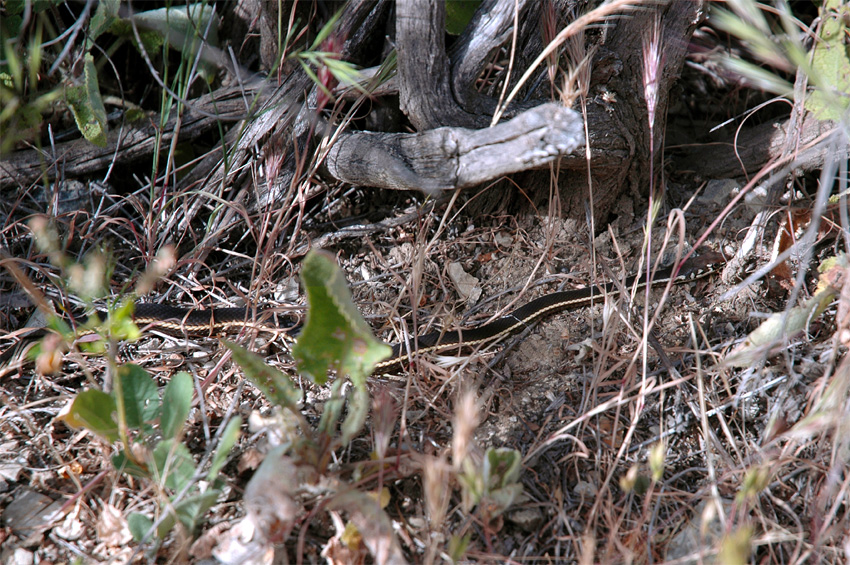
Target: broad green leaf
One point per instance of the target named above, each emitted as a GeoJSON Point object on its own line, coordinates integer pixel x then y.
{"type": "Point", "coordinates": [495, 481]}
{"type": "Point", "coordinates": [335, 336]}
{"type": "Point", "coordinates": [152, 41]}
{"type": "Point", "coordinates": [18, 6]}
{"type": "Point", "coordinates": [276, 386]}
{"type": "Point", "coordinates": [501, 477]}
{"type": "Point", "coordinates": [181, 25]}
{"type": "Point", "coordinates": [165, 525]}
{"type": "Point", "coordinates": [176, 402]}
{"type": "Point", "coordinates": [502, 498]}
{"type": "Point", "coordinates": [831, 65]}
{"type": "Point", "coordinates": [118, 325]}
{"type": "Point", "coordinates": [87, 105]}
{"type": "Point", "coordinates": [141, 396]}
{"type": "Point", "coordinates": [61, 327]}
{"type": "Point", "coordinates": [501, 466]}
{"type": "Point", "coordinates": [225, 444]}
{"type": "Point", "coordinates": [121, 324]}
{"type": "Point", "coordinates": [186, 29]}
{"type": "Point", "coordinates": [11, 22]}
{"type": "Point", "coordinates": [139, 525]}
{"type": "Point", "coordinates": [174, 464]}
{"type": "Point", "coordinates": [95, 411]}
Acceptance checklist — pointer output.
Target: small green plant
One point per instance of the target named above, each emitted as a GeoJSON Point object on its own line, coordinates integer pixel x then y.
{"type": "Point", "coordinates": [24, 100]}
{"type": "Point", "coordinates": [148, 429]}
{"type": "Point", "coordinates": [336, 338]}
{"type": "Point", "coordinates": [323, 55]}
{"type": "Point", "coordinates": [146, 425]}
{"type": "Point", "coordinates": [826, 64]}
{"type": "Point", "coordinates": [21, 103]}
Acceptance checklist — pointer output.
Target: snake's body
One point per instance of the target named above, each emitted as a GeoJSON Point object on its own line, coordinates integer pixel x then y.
{"type": "Point", "coordinates": [220, 321]}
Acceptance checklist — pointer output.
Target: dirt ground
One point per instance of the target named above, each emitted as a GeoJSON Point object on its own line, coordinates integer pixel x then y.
{"type": "Point", "coordinates": [578, 395]}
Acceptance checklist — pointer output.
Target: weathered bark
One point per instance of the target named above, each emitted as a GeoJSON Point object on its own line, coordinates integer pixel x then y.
{"type": "Point", "coordinates": [436, 88]}
{"type": "Point", "coordinates": [617, 115]}
{"type": "Point", "coordinates": [287, 116]}
{"type": "Point", "coordinates": [132, 141]}
{"type": "Point", "coordinates": [452, 158]}
{"type": "Point", "coordinates": [489, 30]}
{"type": "Point", "coordinates": [423, 67]}
{"type": "Point", "coordinates": [435, 92]}
{"type": "Point", "coordinates": [745, 153]}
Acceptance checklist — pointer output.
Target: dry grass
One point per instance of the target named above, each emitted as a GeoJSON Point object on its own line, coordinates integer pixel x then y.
{"type": "Point", "coordinates": [585, 417]}
{"type": "Point", "coordinates": [637, 443]}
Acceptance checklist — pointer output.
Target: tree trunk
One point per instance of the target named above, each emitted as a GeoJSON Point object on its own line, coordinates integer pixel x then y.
{"type": "Point", "coordinates": [456, 87]}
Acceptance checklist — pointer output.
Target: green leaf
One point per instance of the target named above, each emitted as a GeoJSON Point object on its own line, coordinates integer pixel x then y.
{"type": "Point", "coordinates": [118, 325]}
{"type": "Point", "coordinates": [831, 66]}
{"type": "Point", "coordinates": [173, 464]}
{"type": "Point", "coordinates": [276, 386]}
{"type": "Point", "coordinates": [176, 402]}
{"type": "Point", "coordinates": [186, 29]}
{"type": "Point", "coordinates": [501, 475]}
{"type": "Point", "coordinates": [501, 466]}
{"type": "Point", "coordinates": [141, 396]}
{"type": "Point", "coordinates": [458, 14]}
{"type": "Point", "coordinates": [496, 480]}
{"type": "Point", "coordinates": [126, 465]}
{"type": "Point", "coordinates": [165, 524]}
{"type": "Point", "coordinates": [121, 324]}
{"type": "Point", "coordinates": [335, 335]}
{"type": "Point", "coordinates": [191, 509]}
{"type": "Point", "coordinates": [105, 13]}
{"type": "Point", "coordinates": [182, 26]}
{"type": "Point", "coordinates": [358, 409]}
{"type": "Point", "coordinates": [94, 410]}
{"type": "Point", "coordinates": [152, 41]}
{"type": "Point", "coordinates": [225, 444]}
{"type": "Point", "coordinates": [87, 105]}
{"type": "Point", "coordinates": [458, 546]}
{"type": "Point", "coordinates": [139, 525]}
{"type": "Point", "coordinates": [332, 409]}
{"type": "Point", "coordinates": [61, 327]}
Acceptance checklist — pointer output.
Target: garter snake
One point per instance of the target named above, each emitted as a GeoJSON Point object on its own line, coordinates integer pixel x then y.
{"type": "Point", "coordinates": [181, 321]}
{"type": "Point", "coordinates": [443, 342]}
